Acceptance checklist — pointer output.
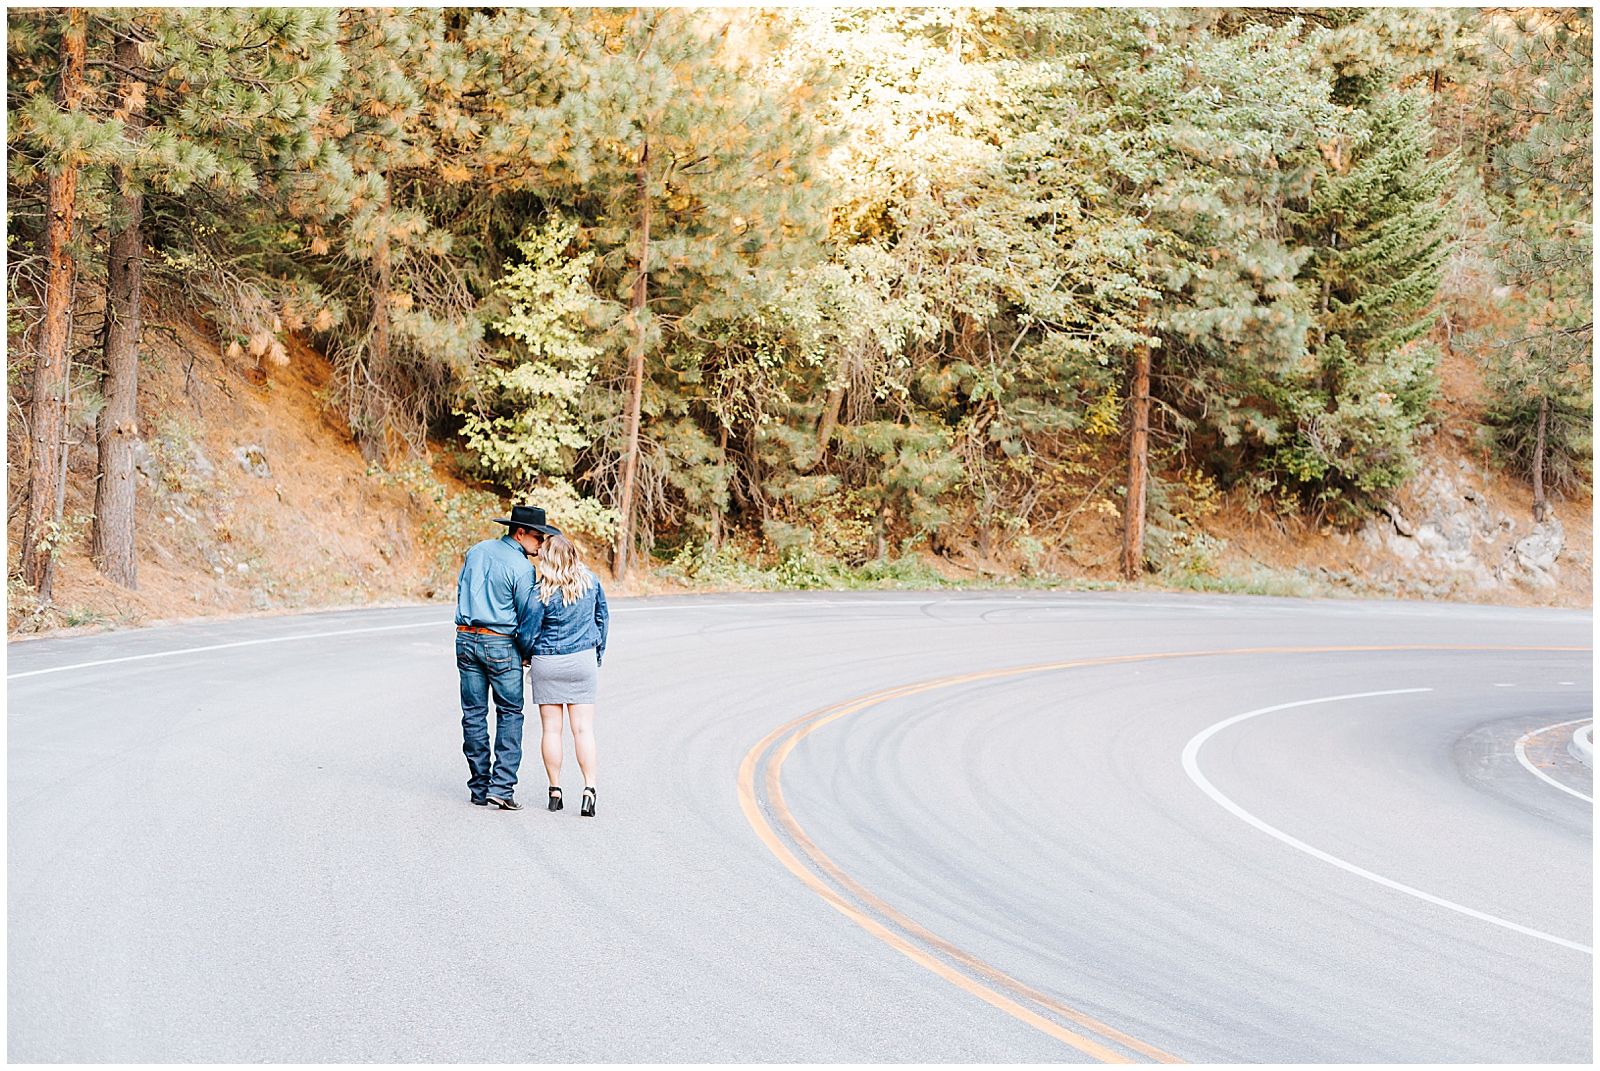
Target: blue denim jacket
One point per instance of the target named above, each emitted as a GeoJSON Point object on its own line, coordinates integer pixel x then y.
{"type": "Point", "coordinates": [563, 629]}
{"type": "Point", "coordinates": [497, 589]}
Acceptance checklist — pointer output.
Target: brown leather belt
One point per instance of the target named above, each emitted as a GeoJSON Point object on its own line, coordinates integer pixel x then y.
{"type": "Point", "coordinates": [483, 631]}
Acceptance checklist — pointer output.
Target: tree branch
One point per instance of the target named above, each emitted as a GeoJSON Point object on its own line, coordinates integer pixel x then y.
{"type": "Point", "coordinates": [120, 69]}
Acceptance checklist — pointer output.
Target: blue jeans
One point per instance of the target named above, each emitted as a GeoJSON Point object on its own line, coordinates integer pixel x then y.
{"type": "Point", "coordinates": [485, 663]}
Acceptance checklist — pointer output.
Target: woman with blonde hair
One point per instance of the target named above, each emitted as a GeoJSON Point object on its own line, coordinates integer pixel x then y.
{"type": "Point", "coordinates": [569, 619]}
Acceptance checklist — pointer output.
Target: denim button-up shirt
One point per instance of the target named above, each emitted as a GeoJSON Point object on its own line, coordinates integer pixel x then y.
{"type": "Point", "coordinates": [497, 590]}
{"type": "Point", "coordinates": [563, 629]}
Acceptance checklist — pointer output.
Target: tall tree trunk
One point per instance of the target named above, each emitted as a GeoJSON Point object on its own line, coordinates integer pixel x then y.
{"type": "Point", "coordinates": [369, 437]}
{"type": "Point", "coordinates": [41, 532]}
{"type": "Point", "coordinates": [717, 520]}
{"type": "Point", "coordinates": [630, 465]}
{"type": "Point", "coordinates": [118, 426]}
{"type": "Point", "coordinates": [1539, 505]}
{"type": "Point", "coordinates": [825, 426]}
{"type": "Point", "coordinates": [1138, 468]}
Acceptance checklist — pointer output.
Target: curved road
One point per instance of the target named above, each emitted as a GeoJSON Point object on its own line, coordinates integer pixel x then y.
{"type": "Point", "coordinates": [830, 831]}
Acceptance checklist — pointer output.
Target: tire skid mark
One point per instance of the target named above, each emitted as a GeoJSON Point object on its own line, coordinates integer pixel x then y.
{"type": "Point", "coordinates": [904, 934]}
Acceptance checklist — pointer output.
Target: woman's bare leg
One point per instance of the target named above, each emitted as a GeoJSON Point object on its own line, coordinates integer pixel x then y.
{"type": "Point", "coordinates": [550, 742]}
{"type": "Point", "coordinates": [581, 715]}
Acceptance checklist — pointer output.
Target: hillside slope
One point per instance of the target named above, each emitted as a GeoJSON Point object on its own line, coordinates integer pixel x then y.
{"type": "Point", "coordinates": [248, 500]}
{"type": "Point", "coordinates": [253, 499]}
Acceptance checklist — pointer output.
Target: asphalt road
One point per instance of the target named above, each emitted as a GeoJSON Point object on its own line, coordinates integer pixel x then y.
{"type": "Point", "coordinates": [264, 851]}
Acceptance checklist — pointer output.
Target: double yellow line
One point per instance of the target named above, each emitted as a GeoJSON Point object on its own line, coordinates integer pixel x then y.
{"type": "Point", "coordinates": [904, 934]}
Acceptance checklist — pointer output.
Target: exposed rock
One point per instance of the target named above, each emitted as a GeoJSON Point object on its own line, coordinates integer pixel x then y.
{"type": "Point", "coordinates": [1449, 532]}
{"type": "Point", "coordinates": [201, 464]}
{"type": "Point", "coordinates": [144, 462]}
{"type": "Point", "coordinates": [253, 459]}
{"type": "Point", "coordinates": [1537, 552]}
{"type": "Point", "coordinates": [1397, 519]}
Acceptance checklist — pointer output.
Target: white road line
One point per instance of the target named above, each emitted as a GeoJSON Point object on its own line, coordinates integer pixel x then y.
{"type": "Point", "coordinates": [804, 604]}
{"type": "Point", "coordinates": [223, 647]}
{"type": "Point", "coordinates": [324, 635]}
{"type": "Point", "coordinates": [1522, 757]}
{"type": "Point", "coordinates": [618, 608]}
{"type": "Point", "coordinates": [1191, 752]}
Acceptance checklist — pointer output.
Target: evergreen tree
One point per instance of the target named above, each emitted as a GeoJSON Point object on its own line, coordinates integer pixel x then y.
{"type": "Point", "coordinates": [974, 290]}
{"type": "Point", "coordinates": [219, 98]}
{"type": "Point", "coordinates": [528, 420]}
{"type": "Point", "coordinates": [60, 138]}
{"type": "Point", "coordinates": [1375, 223]}
{"type": "Point", "coordinates": [178, 105]}
{"type": "Point", "coordinates": [1541, 378]}
{"type": "Point", "coordinates": [411, 211]}
{"type": "Point", "coordinates": [691, 169]}
{"type": "Point", "coordinates": [403, 322]}
{"type": "Point", "coordinates": [1204, 138]}
{"type": "Point", "coordinates": [65, 140]}
{"type": "Point", "coordinates": [914, 267]}
{"type": "Point", "coordinates": [117, 426]}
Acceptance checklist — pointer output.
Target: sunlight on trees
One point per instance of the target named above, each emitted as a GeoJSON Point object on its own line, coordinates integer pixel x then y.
{"type": "Point", "coordinates": [712, 274]}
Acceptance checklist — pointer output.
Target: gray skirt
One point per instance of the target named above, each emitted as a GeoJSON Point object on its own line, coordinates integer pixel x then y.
{"type": "Point", "coordinates": [565, 678]}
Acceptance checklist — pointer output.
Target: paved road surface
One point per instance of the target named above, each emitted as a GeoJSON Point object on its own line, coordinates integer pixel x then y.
{"type": "Point", "coordinates": [265, 851]}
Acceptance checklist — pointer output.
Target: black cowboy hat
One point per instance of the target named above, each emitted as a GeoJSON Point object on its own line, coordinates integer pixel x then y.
{"type": "Point", "coordinates": [528, 517]}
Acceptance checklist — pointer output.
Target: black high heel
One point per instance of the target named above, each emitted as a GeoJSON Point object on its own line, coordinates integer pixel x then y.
{"type": "Point", "coordinates": [555, 798]}
{"type": "Point", "coordinates": [587, 810]}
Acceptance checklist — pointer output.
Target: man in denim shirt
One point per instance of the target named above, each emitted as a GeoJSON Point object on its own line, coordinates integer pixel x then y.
{"type": "Point", "coordinates": [496, 596]}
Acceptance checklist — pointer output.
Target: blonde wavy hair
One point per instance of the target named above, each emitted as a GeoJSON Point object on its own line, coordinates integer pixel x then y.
{"type": "Point", "coordinates": [561, 569]}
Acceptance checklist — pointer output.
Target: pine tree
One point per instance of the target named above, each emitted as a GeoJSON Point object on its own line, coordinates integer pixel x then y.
{"type": "Point", "coordinates": [172, 101]}
{"type": "Point", "coordinates": [1375, 223]}
{"type": "Point", "coordinates": [692, 173]}
{"type": "Point", "coordinates": [381, 218]}
{"type": "Point", "coordinates": [528, 422]}
{"type": "Point", "coordinates": [1541, 380]}
{"type": "Point", "coordinates": [1203, 137]}
{"type": "Point", "coordinates": [61, 139]}
{"type": "Point", "coordinates": [117, 426]}
{"type": "Point", "coordinates": [975, 290]}
{"type": "Point", "coordinates": [221, 98]}
{"type": "Point", "coordinates": [919, 264]}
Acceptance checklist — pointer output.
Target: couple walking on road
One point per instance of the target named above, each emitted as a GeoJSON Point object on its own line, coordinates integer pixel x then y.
{"type": "Point", "coordinates": [549, 619]}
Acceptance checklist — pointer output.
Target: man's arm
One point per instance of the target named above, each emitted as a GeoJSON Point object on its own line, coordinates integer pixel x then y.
{"type": "Point", "coordinates": [530, 612]}
{"type": "Point", "coordinates": [462, 617]}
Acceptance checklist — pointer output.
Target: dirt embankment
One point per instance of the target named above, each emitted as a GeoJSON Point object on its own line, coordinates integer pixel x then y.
{"type": "Point", "coordinates": [252, 498]}
{"type": "Point", "coordinates": [249, 500]}
{"type": "Point", "coordinates": [1460, 529]}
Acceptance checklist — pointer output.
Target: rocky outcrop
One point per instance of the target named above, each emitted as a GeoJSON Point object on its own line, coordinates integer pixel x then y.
{"type": "Point", "coordinates": [253, 459]}
{"type": "Point", "coordinates": [1448, 532]}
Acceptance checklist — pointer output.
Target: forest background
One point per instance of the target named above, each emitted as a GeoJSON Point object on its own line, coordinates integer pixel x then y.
{"type": "Point", "coordinates": [803, 297]}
